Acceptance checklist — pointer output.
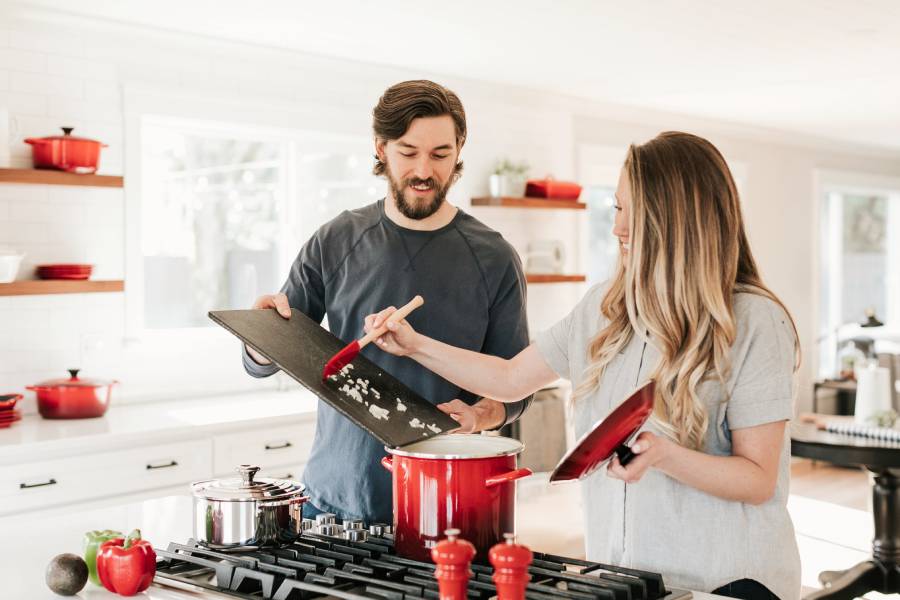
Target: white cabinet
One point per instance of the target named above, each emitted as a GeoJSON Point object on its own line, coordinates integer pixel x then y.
{"type": "Point", "coordinates": [36, 485]}
{"type": "Point", "coordinates": [273, 449]}
{"type": "Point", "coordinates": [152, 449]}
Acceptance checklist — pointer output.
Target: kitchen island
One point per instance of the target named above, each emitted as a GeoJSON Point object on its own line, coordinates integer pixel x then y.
{"type": "Point", "coordinates": [31, 541]}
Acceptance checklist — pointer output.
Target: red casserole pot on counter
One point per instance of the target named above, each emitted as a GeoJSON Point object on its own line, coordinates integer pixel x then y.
{"type": "Point", "coordinates": [72, 398]}
{"type": "Point", "coordinates": [66, 152]}
{"type": "Point", "coordinates": [454, 481]}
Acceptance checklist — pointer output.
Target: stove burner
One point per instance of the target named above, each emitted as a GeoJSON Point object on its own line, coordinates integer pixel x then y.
{"type": "Point", "coordinates": [321, 567]}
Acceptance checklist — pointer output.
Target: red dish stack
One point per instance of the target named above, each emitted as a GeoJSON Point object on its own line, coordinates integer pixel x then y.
{"type": "Point", "coordinates": [64, 271]}
{"type": "Point", "coordinates": [8, 413]}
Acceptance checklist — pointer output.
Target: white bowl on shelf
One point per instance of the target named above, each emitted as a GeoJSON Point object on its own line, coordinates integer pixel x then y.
{"type": "Point", "coordinates": [9, 265]}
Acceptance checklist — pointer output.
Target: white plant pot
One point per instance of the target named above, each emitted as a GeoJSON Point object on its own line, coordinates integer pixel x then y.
{"type": "Point", "coordinates": [507, 186]}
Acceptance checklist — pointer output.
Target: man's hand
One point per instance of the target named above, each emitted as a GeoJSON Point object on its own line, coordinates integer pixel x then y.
{"type": "Point", "coordinates": [280, 303]}
{"type": "Point", "coordinates": [485, 414]}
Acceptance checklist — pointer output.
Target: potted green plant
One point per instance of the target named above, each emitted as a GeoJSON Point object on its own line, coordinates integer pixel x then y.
{"type": "Point", "coordinates": [508, 179]}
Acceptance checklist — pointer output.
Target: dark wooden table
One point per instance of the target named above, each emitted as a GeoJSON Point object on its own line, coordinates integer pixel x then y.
{"type": "Point", "coordinates": [882, 572]}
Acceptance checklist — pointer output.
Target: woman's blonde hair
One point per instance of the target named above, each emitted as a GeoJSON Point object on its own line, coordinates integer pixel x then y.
{"type": "Point", "coordinates": [689, 255]}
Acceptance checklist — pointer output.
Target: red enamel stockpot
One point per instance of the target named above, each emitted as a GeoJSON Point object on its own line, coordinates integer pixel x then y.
{"type": "Point", "coordinates": [66, 152]}
{"type": "Point", "coordinates": [454, 481]}
{"type": "Point", "coordinates": [72, 398]}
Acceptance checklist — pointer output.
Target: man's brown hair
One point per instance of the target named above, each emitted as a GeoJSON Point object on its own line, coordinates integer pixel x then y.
{"type": "Point", "coordinates": [408, 100]}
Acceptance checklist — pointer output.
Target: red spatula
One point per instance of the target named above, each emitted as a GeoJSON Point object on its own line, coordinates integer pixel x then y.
{"type": "Point", "coordinates": [349, 352]}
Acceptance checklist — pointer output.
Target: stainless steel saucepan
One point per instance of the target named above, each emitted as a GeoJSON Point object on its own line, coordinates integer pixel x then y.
{"type": "Point", "coordinates": [235, 512]}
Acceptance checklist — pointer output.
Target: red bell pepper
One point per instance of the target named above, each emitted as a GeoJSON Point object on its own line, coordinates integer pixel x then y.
{"type": "Point", "coordinates": [126, 566]}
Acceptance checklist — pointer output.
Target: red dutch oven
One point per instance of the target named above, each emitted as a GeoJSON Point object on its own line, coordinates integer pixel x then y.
{"type": "Point", "coordinates": [72, 398]}
{"type": "Point", "coordinates": [455, 481]}
{"type": "Point", "coordinates": [66, 152]}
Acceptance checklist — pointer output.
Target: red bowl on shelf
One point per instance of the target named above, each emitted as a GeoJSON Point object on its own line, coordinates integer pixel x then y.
{"type": "Point", "coordinates": [8, 401]}
{"type": "Point", "coordinates": [64, 271]}
{"type": "Point", "coordinates": [552, 189]}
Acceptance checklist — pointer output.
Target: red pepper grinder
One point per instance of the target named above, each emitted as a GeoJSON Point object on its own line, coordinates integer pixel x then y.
{"type": "Point", "coordinates": [452, 557]}
{"type": "Point", "coordinates": [511, 561]}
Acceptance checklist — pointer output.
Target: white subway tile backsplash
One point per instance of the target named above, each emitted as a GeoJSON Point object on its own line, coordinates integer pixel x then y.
{"type": "Point", "coordinates": [25, 104]}
{"type": "Point", "coordinates": [34, 193]}
{"type": "Point", "coordinates": [82, 67]}
{"type": "Point", "coordinates": [102, 90]}
{"type": "Point", "coordinates": [4, 79]}
{"type": "Point", "coordinates": [4, 38]}
{"type": "Point", "coordinates": [4, 209]}
{"type": "Point", "coordinates": [23, 60]}
{"type": "Point", "coordinates": [46, 39]}
{"type": "Point", "coordinates": [71, 110]}
{"type": "Point", "coordinates": [39, 83]}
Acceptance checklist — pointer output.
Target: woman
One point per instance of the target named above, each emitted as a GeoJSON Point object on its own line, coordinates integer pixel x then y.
{"type": "Point", "coordinates": [704, 501]}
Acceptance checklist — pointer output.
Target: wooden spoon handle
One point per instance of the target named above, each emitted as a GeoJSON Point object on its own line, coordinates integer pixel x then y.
{"type": "Point", "coordinates": [398, 315]}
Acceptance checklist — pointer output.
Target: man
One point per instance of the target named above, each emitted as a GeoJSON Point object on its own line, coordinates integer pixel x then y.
{"type": "Point", "coordinates": [412, 242]}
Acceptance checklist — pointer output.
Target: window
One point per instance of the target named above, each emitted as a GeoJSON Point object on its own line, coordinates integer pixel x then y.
{"type": "Point", "coordinates": [603, 246]}
{"type": "Point", "coordinates": [860, 272]}
{"type": "Point", "coordinates": [223, 214]}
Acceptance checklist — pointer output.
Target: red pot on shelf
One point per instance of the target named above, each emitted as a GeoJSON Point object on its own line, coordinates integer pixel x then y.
{"type": "Point", "coordinates": [72, 398]}
{"type": "Point", "coordinates": [66, 152]}
{"type": "Point", "coordinates": [456, 481]}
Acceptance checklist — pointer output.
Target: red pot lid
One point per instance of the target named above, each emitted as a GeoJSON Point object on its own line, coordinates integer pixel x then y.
{"type": "Point", "coordinates": [598, 445]}
{"type": "Point", "coordinates": [73, 381]}
{"type": "Point", "coordinates": [67, 135]}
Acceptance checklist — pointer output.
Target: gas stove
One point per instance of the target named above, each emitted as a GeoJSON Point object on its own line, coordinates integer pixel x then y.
{"type": "Point", "coordinates": [363, 565]}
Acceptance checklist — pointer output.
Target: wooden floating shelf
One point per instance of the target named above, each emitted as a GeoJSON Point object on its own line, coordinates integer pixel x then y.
{"type": "Point", "coordinates": [37, 287]}
{"type": "Point", "coordinates": [51, 177]}
{"type": "Point", "coordinates": [528, 203]}
{"type": "Point", "coordinates": [553, 278]}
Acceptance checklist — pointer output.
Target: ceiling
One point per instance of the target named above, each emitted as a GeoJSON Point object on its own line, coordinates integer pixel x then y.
{"type": "Point", "coordinates": [827, 68]}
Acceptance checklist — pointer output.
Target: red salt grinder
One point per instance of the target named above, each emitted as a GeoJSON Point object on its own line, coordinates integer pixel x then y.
{"type": "Point", "coordinates": [511, 561]}
{"type": "Point", "coordinates": [452, 557]}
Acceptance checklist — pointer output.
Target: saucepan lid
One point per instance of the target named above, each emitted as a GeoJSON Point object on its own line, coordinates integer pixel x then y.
{"type": "Point", "coordinates": [607, 436]}
{"type": "Point", "coordinates": [246, 488]}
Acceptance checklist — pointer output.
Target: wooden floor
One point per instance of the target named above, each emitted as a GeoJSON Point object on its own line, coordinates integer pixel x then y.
{"type": "Point", "coordinates": [830, 507]}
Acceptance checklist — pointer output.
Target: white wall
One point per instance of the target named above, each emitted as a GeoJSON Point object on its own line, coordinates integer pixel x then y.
{"type": "Point", "coordinates": [55, 73]}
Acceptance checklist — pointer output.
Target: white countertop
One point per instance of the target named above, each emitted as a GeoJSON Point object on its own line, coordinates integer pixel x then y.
{"type": "Point", "coordinates": [133, 424]}
{"type": "Point", "coordinates": [31, 541]}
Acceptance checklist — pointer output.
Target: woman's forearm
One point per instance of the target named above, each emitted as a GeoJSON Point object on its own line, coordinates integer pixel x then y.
{"type": "Point", "coordinates": [482, 374]}
{"type": "Point", "coordinates": [734, 478]}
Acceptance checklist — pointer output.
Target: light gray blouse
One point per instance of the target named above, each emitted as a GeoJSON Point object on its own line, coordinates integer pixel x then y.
{"type": "Point", "coordinates": [696, 540]}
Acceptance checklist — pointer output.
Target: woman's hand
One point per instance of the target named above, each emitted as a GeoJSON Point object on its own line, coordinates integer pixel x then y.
{"type": "Point", "coordinates": [400, 340]}
{"type": "Point", "coordinates": [650, 450]}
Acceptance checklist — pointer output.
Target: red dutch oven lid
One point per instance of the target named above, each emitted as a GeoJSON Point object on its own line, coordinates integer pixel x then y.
{"type": "Point", "coordinates": [67, 135]}
{"type": "Point", "coordinates": [72, 382]}
{"type": "Point", "coordinates": [607, 436]}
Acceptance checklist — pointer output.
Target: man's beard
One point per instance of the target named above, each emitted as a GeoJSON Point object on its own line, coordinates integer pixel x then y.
{"type": "Point", "coordinates": [416, 209]}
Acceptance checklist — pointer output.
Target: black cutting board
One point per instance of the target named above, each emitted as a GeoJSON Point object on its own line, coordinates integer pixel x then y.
{"type": "Point", "coordinates": [300, 347]}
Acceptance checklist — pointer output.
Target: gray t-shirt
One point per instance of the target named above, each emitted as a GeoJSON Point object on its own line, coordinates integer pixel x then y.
{"type": "Point", "coordinates": [696, 540]}
{"type": "Point", "coordinates": [361, 262]}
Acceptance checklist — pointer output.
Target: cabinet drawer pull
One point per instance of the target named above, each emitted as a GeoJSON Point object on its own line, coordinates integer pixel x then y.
{"type": "Point", "coordinates": [279, 446]}
{"type": "Point", "coordinates": [25, 486]}
{"type": "Point", "coordinates": [165, 466]}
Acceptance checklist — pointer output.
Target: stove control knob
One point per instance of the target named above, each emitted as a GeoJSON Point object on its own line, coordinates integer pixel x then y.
{"type": "Point", "coordinates": [325, 519]}
{"type": "Point", "coordinates": [353, 524]}
{"type": "Point", "coordinates": [307, 525]}
{"type": "Point", "coordinates": [376, 529]}
{"type": "Point", "coordinates": [330, 530]}
{"type": "Point", "coordinates": [356, 535]}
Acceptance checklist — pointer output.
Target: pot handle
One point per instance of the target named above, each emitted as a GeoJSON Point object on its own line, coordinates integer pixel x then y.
{"type": "Point", "coordinates": [388, 463]}
{"type": "Point", "coordinates": [508, 476]}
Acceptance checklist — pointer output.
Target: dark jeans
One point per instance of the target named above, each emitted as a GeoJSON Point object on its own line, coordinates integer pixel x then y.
{"type": "Point", "coordinates": [746, 589]}
{"type": "Point", "coordinates": [310, 511]}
